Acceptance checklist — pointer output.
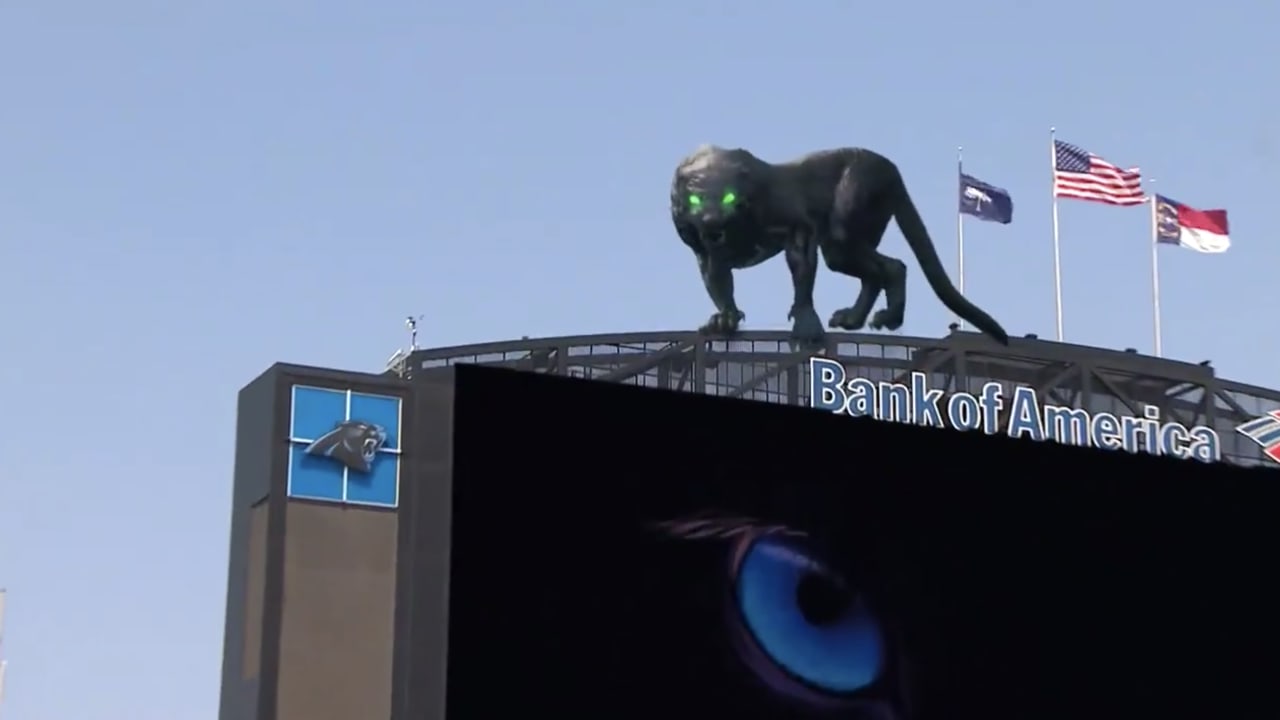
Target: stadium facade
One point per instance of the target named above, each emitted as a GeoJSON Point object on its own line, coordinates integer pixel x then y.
{"type": "Point", "coordinates": [338, 579]}
{"type": "Point", "coordinates": [764, 366]}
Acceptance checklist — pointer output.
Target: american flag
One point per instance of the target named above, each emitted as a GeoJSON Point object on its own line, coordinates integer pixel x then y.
{"type": "Point", "coordinates": [1084, 176]}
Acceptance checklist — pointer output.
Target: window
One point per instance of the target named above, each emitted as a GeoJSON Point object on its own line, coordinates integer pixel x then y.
{"type": "Point", "coordinates": [317, 412]}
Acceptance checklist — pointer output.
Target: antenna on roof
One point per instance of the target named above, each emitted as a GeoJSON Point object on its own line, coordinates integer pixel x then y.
{"type": "Point", "coordinates": [411, 323]}
{"type": "Point", "coordinates": [398, 363]}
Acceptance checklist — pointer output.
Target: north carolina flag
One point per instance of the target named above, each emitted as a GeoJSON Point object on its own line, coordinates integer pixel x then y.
{"type": "Point", "coordinates": [1200, 230]}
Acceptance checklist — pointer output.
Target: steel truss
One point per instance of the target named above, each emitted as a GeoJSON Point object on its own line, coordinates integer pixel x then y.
{"type": "Point", "coordinates": [765, 366]}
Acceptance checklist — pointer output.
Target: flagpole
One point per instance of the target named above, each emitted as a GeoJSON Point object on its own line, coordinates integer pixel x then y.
{"type": "Point", "coordinates": [2, 660]}
{"type": "Point", "coordinates": [960, 228]}
{"type": "Point", "coordinates": [1155, 271]}
{"type": "Point", "coordinates": [1057, 253]}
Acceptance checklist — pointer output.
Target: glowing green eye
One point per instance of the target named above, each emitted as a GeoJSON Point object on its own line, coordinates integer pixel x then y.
{"type": "Point", "coordinates": [728, 199]}
{"type": "Point", "coordinates": [694, 200]}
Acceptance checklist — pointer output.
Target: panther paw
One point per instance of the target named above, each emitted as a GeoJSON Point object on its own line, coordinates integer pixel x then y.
{"type": "Point", "coordinates": [723, 323]}
{"type": "Point", "coordinates": [886, 320]}
{"type": "Point", "coordinates": [850, 318]}
{"type": "Point", "coordinates": [805, 326]}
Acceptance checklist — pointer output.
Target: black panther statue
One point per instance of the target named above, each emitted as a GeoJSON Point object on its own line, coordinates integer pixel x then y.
{"type": "Point", "coordinates": [735, 211]}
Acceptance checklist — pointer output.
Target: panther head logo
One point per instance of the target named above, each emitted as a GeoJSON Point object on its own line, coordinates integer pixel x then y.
{"type": "Point", "coordinates": [353, 443]}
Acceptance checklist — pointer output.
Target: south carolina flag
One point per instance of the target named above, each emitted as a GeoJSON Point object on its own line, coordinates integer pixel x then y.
{"type": "Point", "coordinates": [1200, 230]}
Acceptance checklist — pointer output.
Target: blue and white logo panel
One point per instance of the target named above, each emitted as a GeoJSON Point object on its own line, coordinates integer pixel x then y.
{"type": "Point", "coordinates": [344, 446]}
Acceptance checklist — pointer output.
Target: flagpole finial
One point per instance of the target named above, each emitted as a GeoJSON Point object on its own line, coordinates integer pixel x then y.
{"type": "Point", "coordinates": [1052, 129]}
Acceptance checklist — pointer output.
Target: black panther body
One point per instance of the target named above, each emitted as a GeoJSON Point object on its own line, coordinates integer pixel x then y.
{"type": "Point", "coordinates": [735, 211]}
{"type": "Point", "coordinates": [353, 443]}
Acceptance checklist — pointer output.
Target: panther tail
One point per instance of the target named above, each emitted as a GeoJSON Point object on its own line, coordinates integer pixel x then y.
{"type": "Point", "coordinates": [913, 229]}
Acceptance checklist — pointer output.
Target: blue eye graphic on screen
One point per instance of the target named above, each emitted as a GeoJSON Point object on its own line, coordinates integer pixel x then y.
{"type": "Point", "coordinates": [800, 625]}
{"type": "Point", "coordinates": [805, 616]}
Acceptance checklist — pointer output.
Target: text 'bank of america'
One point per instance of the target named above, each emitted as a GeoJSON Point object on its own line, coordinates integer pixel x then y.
{"type": "Point", "coordinates": [831, 390]}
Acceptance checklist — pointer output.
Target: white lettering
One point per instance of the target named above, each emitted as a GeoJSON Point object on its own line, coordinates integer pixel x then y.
{"type": "Point", "coordinates": [1024, 416]}
{"type": "Point", "coordinates": [832, 390]}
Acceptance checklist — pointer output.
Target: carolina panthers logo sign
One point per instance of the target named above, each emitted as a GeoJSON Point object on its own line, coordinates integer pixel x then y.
{"type": "Point", "coordinates": [353, 443]}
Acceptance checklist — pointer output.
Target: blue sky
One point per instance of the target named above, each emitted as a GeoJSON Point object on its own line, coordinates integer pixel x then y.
{"type": "Point", "coordinates": [194, 190]}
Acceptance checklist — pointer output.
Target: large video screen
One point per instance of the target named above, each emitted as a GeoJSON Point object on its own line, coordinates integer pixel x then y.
{"type": "Point", "coordinates": [624, 554]}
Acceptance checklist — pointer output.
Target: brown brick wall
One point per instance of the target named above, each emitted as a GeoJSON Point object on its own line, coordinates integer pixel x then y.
{"type": "Point", "coordinates": [339, 605]}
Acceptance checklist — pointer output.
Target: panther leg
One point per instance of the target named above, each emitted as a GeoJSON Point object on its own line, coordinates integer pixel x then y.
{"type": "Point", "coordinates": [857, 224]}
{"type": "Point", "coordinates": [855, 316]}
{"type": "Point", "coordinates": [894, 276]}
{"type": "Point", "coordinates": [802, 261]}
{"type": "Point", "coordinates": [717, 277]}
